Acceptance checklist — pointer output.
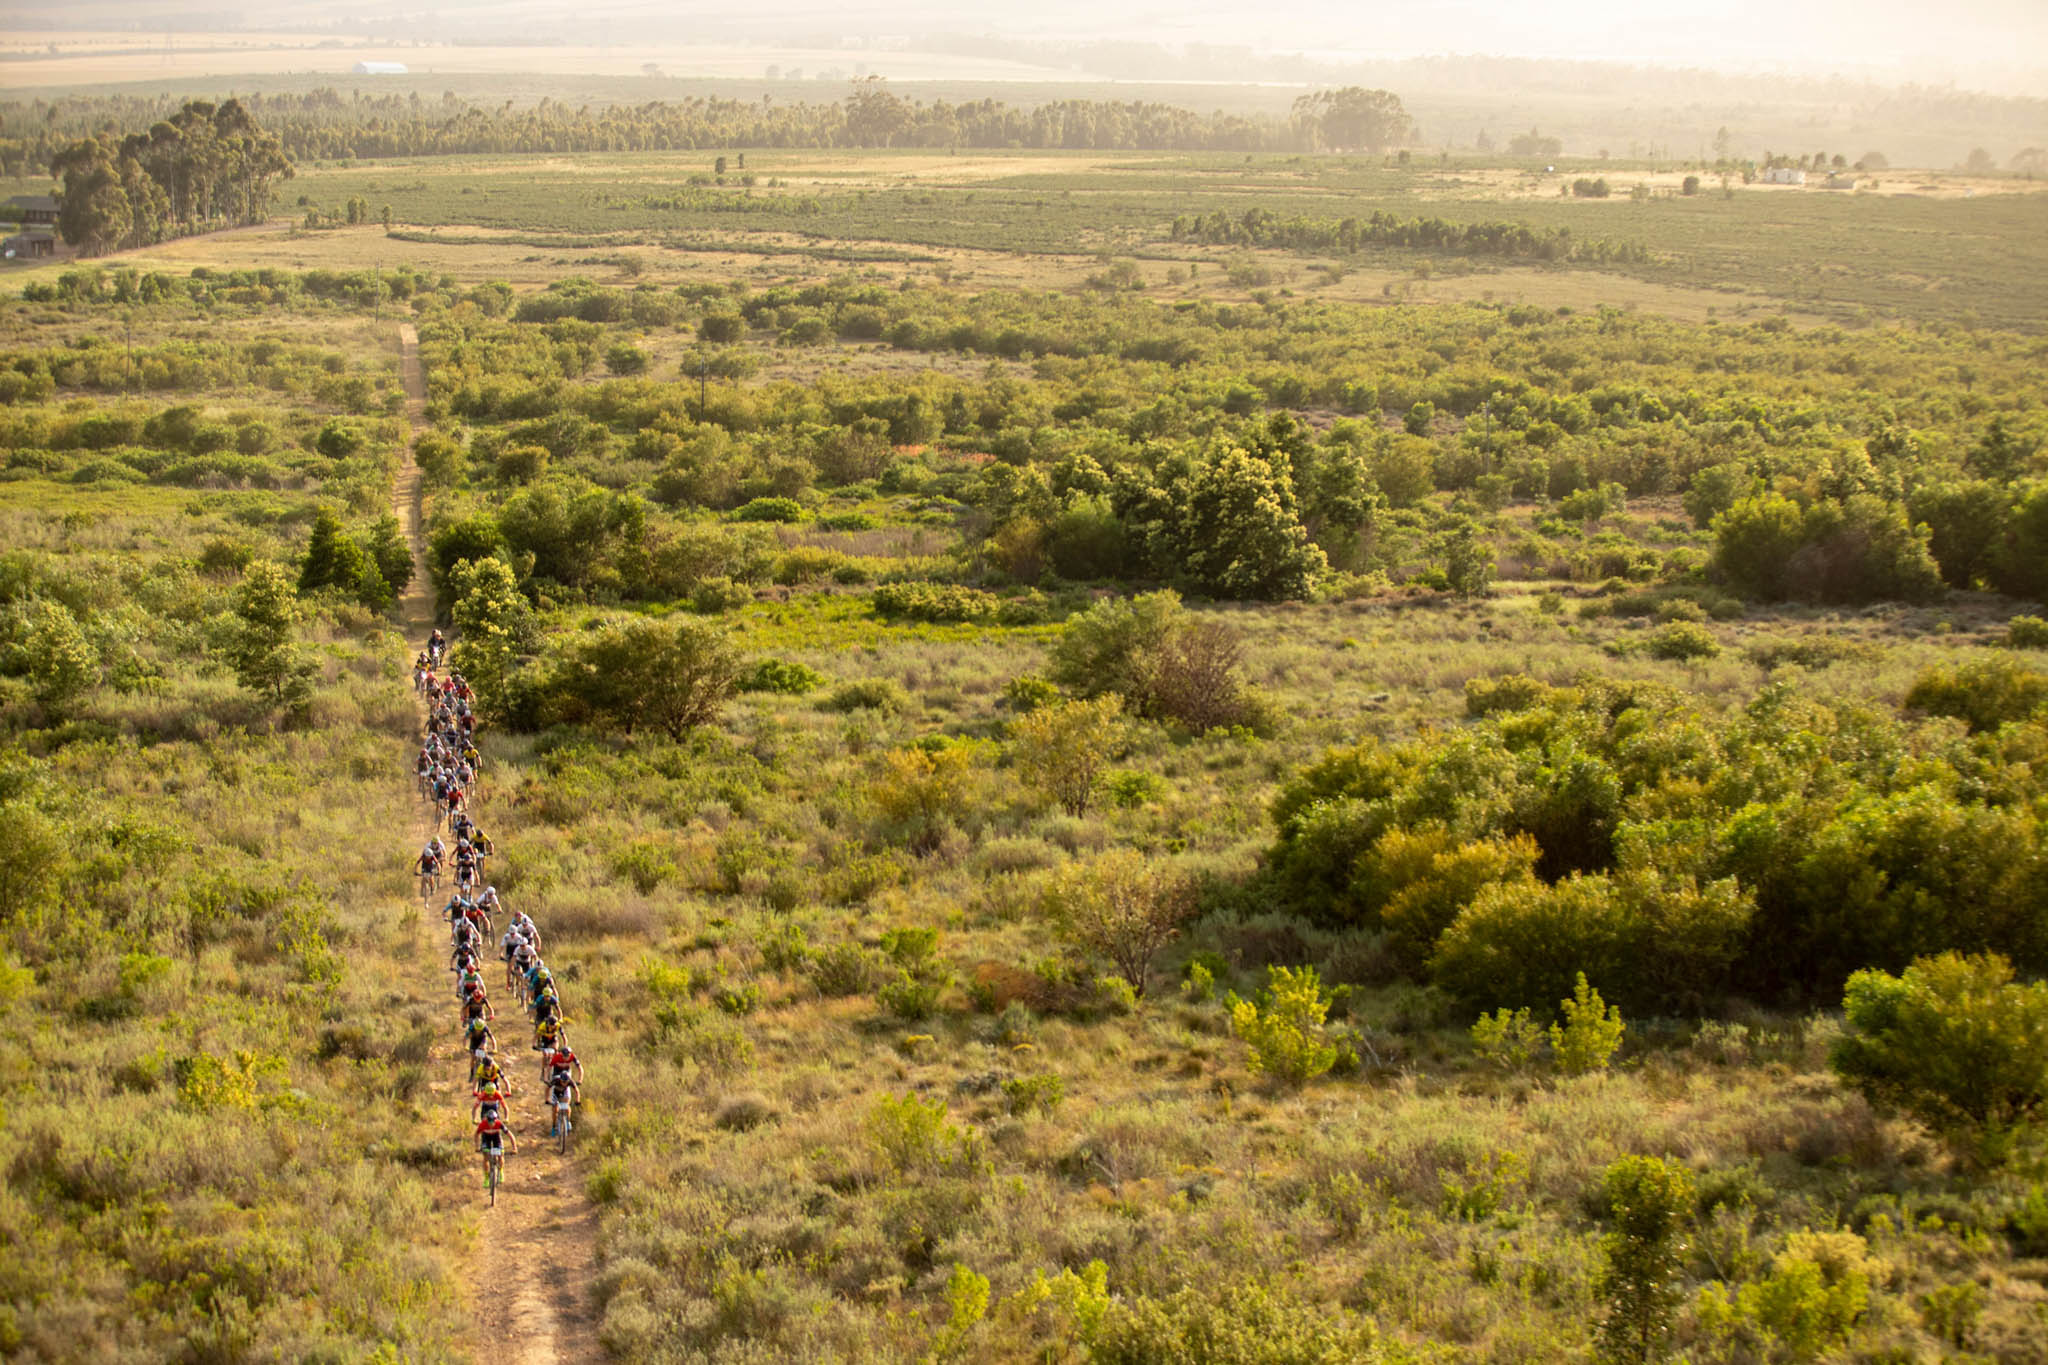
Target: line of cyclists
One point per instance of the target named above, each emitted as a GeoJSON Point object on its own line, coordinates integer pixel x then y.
{"type": "Point", "coordinates": [446, 770]}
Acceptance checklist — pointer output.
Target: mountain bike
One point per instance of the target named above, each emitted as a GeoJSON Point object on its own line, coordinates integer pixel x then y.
{"type": "Point", "coordinates": [562, 1126]}
{"type": "Point", "coordinates": [494, 1171]}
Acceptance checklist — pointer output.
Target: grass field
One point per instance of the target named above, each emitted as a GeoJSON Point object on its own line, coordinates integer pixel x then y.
{"type": "Point", "coordinates": [1926, 254]}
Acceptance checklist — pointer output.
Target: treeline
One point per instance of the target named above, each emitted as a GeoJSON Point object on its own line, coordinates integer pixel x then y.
{"type": "Point", "coordinates": [206, 166]}
{"type": "Point", "coordinates": [322, 125]}
{"type": "Point", "coordinates": [1515, 241]}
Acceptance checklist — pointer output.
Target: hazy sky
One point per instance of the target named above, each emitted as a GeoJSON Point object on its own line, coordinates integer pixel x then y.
{"type": "Point", "coordinates": [1992, 43]}
{"type": "Point", "coordinates": [1900, 35]}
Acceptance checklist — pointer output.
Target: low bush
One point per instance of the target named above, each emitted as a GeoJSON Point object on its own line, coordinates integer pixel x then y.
{"type": "Point", "coordinates": [1954, 1041]}
{"type": "Point", "coordinates": [769, 510]}
{"type": "Point", "coordinates": [934, 602]}
{"type": "Point", "coordinates": [1983, 693]}
{"type": "Point", "coordinates": [1285, 1027]}
{"type": "Point", "coordinates": [781, 676]}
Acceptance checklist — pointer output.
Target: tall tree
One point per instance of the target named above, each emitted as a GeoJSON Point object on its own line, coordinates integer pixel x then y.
{"type": "Point", "coordinates": [1354, 119]}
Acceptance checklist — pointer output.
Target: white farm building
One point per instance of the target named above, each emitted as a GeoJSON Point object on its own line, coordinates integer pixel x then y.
{"type": "Point", "coordinates": [380, 69]}
{"type": "Point", "coordinates": [1784, 175]}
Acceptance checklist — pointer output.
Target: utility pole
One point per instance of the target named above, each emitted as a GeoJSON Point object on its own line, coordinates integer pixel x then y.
{"type": "Point", "coordinates": [128, 325]}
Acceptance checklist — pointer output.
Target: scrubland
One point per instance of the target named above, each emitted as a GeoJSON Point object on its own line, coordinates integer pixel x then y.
{"type": "Point", "coordinates": [978, 954]}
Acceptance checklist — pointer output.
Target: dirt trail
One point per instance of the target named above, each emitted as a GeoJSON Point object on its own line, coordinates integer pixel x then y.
{"type": "Point", "coordinates": [527, 1270]}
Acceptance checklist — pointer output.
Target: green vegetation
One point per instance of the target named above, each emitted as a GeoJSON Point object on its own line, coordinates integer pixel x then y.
{"type": "Point", "coordinates": [1515, 729]}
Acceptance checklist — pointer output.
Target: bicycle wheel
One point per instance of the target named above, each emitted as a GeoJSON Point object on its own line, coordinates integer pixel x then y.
{"type": "Point", "coordinates": [491, 1177]}
{"type": "Point", "coordinates": [562, 1131]}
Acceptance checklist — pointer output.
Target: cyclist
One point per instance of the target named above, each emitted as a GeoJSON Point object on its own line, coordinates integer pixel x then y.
{"type": "Point", "coordinates": [489, 1099]}
{"type": "Point", "coordinates": [436, 646]}
{"type": "Point", "coordinates": [508, 944]}
{"type": "Point", "coordinates": [476, 1005]}
{"type": "Point", "coordinates": [528, 930]}
{"type": "Point", "coordinates": [428, 866]}
{"type": "Point", "coordinates": [547, 1008]}
{"type": "Point", "coordinates": [560, 1060]}
{"type": "Point", "coordinates": [494, 1138]}
{"type": "Point", "coordinates": [563, 1093]}
{"type": "Point", "coordinates": [491, 1077]}
{"type": "Point", "coordinates": [545, 1035]}
{"type": "Point", "coordinates": [480, 1041]}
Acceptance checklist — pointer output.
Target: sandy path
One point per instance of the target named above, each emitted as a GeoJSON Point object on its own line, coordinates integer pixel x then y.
{"type": "Point", "coordinates": [527, 1269]}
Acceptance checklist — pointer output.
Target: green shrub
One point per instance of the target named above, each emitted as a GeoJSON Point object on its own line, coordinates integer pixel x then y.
{"type": "Point", "coordinates": [770, 509]}
{"type": "Point", "coordinates": [1060, 751]}
{"type": "Point", "coordinates": [1029, 692]}
{"type": "Point", "coordinates": [1953, 1041]}
{"type": "Point", "coordinates": [1683, 641]}
{"type": "Point", "coordinates": [1591, 1032]}
{"type": "Point", "coordinates": [866, 694]}
{"type": "Point", "coordinates": [781, 675]}
{"type": "Point", "coordinates": [741, 999]}
{"type": "Point", "coordinates": [1507, 1038]}
{"type": "Point", "coordinates": [843, 969]}
{"type": "Point", "coordinates": [1660, 947]}
{"type": "Point", "coordinates": [1132, 789]}
{"type": "Point", "coordinates": [784, 947]}
{"type": "Point", "coordinates": [934, 602]}
{"type": "Point", "coordinates": [1816, 1290]}
{"type": "Point", "coordinates": [1043, 1093]}
{"type": "Point", "coordinates": [1242, 1324]}
{"type": "Point", "coordinates": [2027, 632]}
{"type": "Point", "coordinates": [1120, 906]}
{"type": "Point", "coordinates": [1984, 693]}
{"type": "Point", "coordinates": [1648, 1203]}
{"type": "Point", "coordinates": [713, 596]}
{"type": "Point", "coordinates": [1165, 663]}
{"type": "Point", "coordinates": [914, 1136]}
{"type": "Point", "coordinates": [1284, 1028]}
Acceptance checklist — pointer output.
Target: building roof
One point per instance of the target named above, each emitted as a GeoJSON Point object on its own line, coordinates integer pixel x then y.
{"type": "Point", "coordinates": [44, 203]}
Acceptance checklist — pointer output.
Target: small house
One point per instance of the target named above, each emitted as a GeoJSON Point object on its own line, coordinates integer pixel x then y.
{"type": "Point", "coordinates": [1784, 175]}
{"type": "Point", "coordinates": [380, 69]}
{"type": "Point", "coordinates": [30, 210]}
{"type": "Point", "coordinates": [23, 246]}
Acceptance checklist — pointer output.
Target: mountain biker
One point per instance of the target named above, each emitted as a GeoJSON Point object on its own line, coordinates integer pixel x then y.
{"type": "Point", "coordinates": [493, 1136]}
{"type": "Point", "coordinates": [547, 1009]}
{"type": "Point", "coordinates": [528, 930]}
{"type": "Point", "coordinates": [490, 1099]}
{"type": "Point", "coordinates": [561, 1090]}
{"type": "Point", "coordinates": [546, 1034]}
{"type": "Point", "coordinates": [476, 1005]}
{"type": "Point", "coordinates": [560, 1060]}
{"type": "Point", "coordinates": [480, 1042]}
{"type": "Point", "coordinates": [491, 1076]}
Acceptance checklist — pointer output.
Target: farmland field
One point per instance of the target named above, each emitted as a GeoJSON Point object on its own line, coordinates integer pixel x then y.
{"type": "Point", "coordinates": [1090, 782]}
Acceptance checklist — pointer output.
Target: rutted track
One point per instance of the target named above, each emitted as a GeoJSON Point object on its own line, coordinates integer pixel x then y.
{"type": "Point", "coordinates": [528, 1261]}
